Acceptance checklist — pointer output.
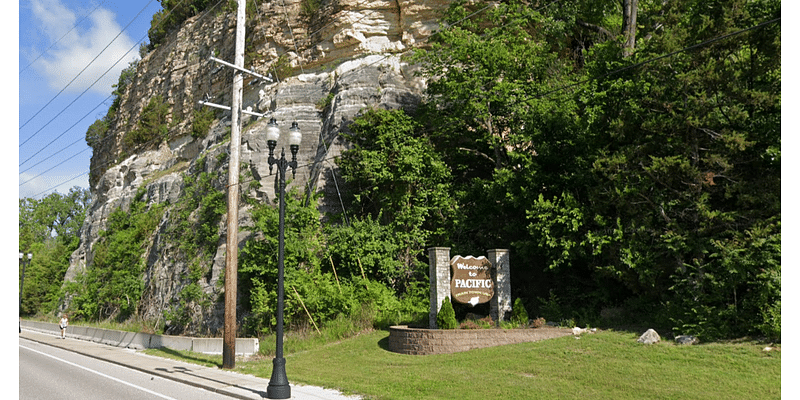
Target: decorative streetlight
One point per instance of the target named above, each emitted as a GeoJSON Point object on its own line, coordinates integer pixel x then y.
{"type": "Point", "coordinates": [22, 281]}
{"type": "Point", "coordinates": [278, 384]}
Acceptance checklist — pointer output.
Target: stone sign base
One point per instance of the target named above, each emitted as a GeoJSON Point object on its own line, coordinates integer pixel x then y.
{"type": "Point", "coordinates": [420, 341]}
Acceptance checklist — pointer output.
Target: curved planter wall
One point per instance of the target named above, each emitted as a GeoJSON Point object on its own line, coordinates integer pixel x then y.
{"type": "Point", "coordinates": [419, 341]}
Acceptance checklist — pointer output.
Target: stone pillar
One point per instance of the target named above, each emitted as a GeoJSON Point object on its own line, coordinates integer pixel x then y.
{"type": "Point", "coordinates": [500, 305]}
{"type": "Point", "coordinates": [439, 272]}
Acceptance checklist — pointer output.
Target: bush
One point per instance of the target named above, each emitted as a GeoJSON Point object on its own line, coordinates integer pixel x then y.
{"type": "Point", "coordinates": [519, 315]}
{"type": "Point", "coordinates": [202, 118]}
{"type": "Point", "coordinates": [153, 123]}
{"type": "Point", "coordinates": [446, 319]}
{"type": "Point", "coordinates": [112, 286]}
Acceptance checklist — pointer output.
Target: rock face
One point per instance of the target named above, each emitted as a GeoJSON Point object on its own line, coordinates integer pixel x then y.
{"type": "Point", "coordinates": [330, 66]}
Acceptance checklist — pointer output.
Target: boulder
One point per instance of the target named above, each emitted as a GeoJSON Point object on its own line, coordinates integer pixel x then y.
{"type": "Point", "coordinates": [649, 337]}
{"type": "Point", "coordinates": [686, 339]}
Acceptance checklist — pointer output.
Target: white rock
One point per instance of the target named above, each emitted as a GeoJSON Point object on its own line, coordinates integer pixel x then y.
{"type": "Point", "coordinates": [649, 337]}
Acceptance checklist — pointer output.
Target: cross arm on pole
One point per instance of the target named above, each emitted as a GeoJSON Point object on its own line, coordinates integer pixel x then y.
{"type": "Point", "coordinates": [227, 108]}
{"type": "Point", "coordinates": [257, 75]}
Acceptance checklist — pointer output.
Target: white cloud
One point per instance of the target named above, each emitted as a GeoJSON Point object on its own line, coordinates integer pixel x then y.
{"type": "Point", "coordinates": [79, 48]}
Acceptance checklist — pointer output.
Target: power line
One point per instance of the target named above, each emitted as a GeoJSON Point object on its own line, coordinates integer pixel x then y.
{"type": "Point", "coordinates": [56, 186]}
{"type": "Point", "coordinates": [76, 77]}
{"type": "Point", "coordinates": [73, 125]}
{"type": "Point", "coordinates": [62, 37]}
{"type": "Point", "coordinates": [53, 167]}
{"type": "Point", "coordinates": [121, 58]}
{"type": "Point", "coordinates": [95, 82]}
{"type": "Point", "coordinates": [98, 167]}
{"type": "Point", "coordinates": [67, 130]}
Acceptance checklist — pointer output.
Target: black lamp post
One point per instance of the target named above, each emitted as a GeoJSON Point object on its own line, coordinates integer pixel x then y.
{"type": "Point", "coordinates": [278, 384]}
{"type": "Point", "coordinates": [22, 282]}
{"type": "Point", "coordinates": [25, 263]}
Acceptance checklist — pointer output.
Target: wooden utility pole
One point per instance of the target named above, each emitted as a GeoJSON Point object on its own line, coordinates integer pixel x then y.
{"type": "Point", "coordinates": [232, 246]}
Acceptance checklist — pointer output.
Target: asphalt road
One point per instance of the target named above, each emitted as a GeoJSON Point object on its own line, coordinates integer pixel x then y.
{"type": "Point", "coordinates": [47, 372]}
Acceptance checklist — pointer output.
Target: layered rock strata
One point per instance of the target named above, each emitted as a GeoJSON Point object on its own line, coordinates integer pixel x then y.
{"type": "Point", "coordinates": [329, 67]}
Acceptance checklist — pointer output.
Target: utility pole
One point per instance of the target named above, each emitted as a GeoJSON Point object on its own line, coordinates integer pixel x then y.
{"type": "Point", "coordinates": [232, 246]}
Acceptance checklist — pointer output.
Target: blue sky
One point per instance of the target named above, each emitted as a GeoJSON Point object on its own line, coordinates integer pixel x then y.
{"type": "Point", "coordinates": [71, 52]}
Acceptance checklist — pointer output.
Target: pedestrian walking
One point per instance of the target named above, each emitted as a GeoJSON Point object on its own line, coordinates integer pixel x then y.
{"type": "Point", "coordinates": [63, 325]}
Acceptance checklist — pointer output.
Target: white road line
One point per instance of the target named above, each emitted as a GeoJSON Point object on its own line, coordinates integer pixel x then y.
{"type": "Point", "coordinates": [100, 373]}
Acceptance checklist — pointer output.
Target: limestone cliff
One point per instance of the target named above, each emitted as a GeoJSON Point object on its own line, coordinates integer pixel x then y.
{"type": "Point", "coordinates": [329, 66]}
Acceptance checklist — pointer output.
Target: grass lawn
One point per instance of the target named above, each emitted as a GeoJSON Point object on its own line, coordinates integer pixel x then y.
{"type": "Point", "coordinates": [605, 365]}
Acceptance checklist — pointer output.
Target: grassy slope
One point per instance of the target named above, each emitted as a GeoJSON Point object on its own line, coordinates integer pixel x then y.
{"type": "Point", "coordinates": [606, 365]}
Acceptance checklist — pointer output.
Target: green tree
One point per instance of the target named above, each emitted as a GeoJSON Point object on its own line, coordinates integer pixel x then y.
{"type": "Point", "coordinates": [172, 15]}
{"type": "Point", "coordinates": [112, 285]}
{"type": "Point", "coordinates": [364, 245]}
{"type": "Point", "coordinates": [446, 318]}
{"type": "Point", "coordinates": [258, 261]}
{"type": "Point", "coordinates": [153, 123]}
{"type": "Point", "coordinates": [507, 144]}
{"type": "Point", "coordinates": [400, 181]}
{"type": "Point", "coordinates": [328, 292]}
{"type": "Point", "coordinates": [639, 176]}
{"type": "Point", "coordinates": [689, 169]}
{"type": "Point", "coordinates": [49, 229]}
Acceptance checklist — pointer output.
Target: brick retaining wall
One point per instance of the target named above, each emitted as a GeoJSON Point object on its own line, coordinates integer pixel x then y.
{"type": "Point", "coordinates": [420, 341]}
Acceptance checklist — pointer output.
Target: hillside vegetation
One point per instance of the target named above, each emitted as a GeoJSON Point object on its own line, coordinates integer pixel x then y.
{"type": "Point", "coordinates": [629, 157]}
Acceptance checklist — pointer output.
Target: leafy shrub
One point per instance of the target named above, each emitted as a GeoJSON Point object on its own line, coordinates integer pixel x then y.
{"type": "Point", "coordinates": [326, 294]}
{"type": "Point", "coordinates": [470, 324]}
{"type": "Point", "coordinates": [153, 123]}
{"type": "Point", "coordinates": [172, 15]}
{"type": "Point", "coordinates": [202, 118]}
{"type": "Point", "coordinates": [96, 132]}
{"type": "Point", "coordinates": [551, 308]}
{"type": "Point", "coordinates": [518, 314]}
{"type": "Point", "coordinates": [365, 248]}
{"type": "Point", "coordinates": [446, 318]}
{"type": "Point", "coordinates": [308, 8]}
{"type": "Point", "coordinates": [771, 326]}
{"type": "Point", "coordinates": [325, 102]}
{"type": "Point", "coordinates": [112, 285]}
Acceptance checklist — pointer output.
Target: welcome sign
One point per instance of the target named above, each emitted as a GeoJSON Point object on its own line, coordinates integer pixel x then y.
{"type": "Point", "coordinates": [471, 281]}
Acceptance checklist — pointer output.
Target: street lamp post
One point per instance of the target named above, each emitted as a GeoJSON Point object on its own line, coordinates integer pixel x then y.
{"type": "Point", "coordinates": [278, 384]}
{"type": "Point", "coordinates": [22, 281]}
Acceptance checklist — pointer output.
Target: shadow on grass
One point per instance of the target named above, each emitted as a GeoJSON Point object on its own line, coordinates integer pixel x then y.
{"type": "Point", "coordinates": [384, 343]}
{"type": "Point", "coordinates": [190, 357]}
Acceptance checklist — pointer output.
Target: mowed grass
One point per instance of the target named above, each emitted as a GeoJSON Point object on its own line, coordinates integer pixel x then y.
{"type": "Point", "coordinates": [604, 365]}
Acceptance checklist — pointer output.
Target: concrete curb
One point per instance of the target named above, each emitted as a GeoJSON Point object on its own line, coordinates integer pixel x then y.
{"type": "Point", "coordinates": [140, 341]}
{"type": "Point", "coordinates": [226, 382]}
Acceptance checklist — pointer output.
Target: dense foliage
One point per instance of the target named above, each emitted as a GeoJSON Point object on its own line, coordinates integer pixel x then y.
{"type": "Point", "coordinates": [646, 182]}
{"type": "Point", "coordinates": [48, 230]}
{"type": "Point", "coordinates": [112, 286]}
{"type": "Point", "coordinates": [629, 157]}
{"type": "Point", "coordinates": [317, 290]}
{"type": "Point", "coordinates": [398, 180]}
{"type": "Point", "coordinates": [171, 16]}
